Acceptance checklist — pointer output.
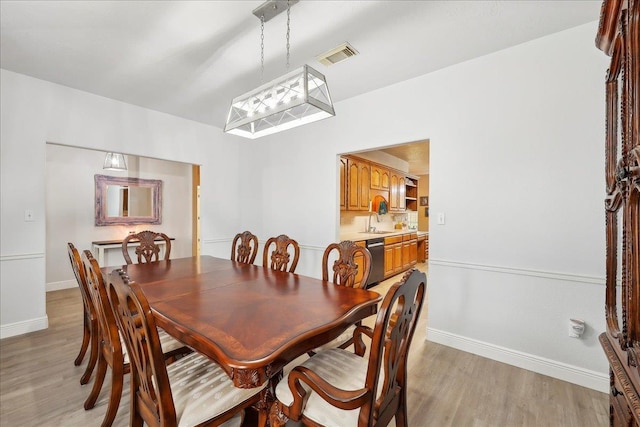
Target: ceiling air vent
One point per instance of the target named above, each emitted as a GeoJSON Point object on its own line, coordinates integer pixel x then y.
{"type": "Point", "coordinates": [338, 54]}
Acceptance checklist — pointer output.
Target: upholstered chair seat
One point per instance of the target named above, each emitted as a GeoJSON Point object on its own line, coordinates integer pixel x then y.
{"type": "Point", "coordinates": [342, 369]}
{"type": "Point", "coordinates": [201, 390]}
{"type": "Point", "coordinates": [338, 388]}
{"type": "Point", "coordinates": [167, 342]}
{"type": "Point", "coordinates": [340, 341]}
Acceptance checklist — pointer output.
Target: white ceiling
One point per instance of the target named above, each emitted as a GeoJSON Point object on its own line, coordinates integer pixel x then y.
{"type": "Point", "coordinates": [190, 58]}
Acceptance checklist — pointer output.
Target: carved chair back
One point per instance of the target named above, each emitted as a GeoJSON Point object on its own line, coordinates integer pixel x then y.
{"type": "Point", "coordinates": [244, 247]}
{"type": "Point", "coordinates": [90, 321]}
{"type": "Point", "coordinates": [345, 267]}
{"type": "Point", "coordinates": [79, 272]}
{"type": "Point", "coordinates": [111, 346]}
{"type": "Point", "coordinates": [151, 392]}
{"type": "Point", "coordinates": [280, 258]}
{"type": "Point", "coordinates": [384, 395]}
{"type": "Point", "coordinates": [393, 332]}
{"type": "Point", "coordinates": [148, 250]}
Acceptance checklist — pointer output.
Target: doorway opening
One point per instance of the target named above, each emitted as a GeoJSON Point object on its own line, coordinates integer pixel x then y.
{"type": "Point", "coordinates": [70, 207]}
{"type": "Point", "coordinates": [407, 207]}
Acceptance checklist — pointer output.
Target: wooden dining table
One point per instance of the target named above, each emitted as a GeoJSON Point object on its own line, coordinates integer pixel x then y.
{"type": "Point", "coordinates": [250, 319]}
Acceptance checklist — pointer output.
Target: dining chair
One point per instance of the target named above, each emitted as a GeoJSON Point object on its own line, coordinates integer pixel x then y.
{"type": "Point", "coordinates": [148, 250]}
{"type": "Point", "coordinates": [280, 257]}
{"type": "Point", "coordinates": [344, 272]}
{"type": "Point", "coordinates": [345, 268]}
{"type": "Point", "coordinates": [244, 247]}
{"type": "Point", "coordinates": [110, 350]}
{"type": "Point", "coordinates": [338, 388]}
{"type": "Point", "coordinates": [90, 321]}
{"type": "Point", "coordinates": [192, 391]}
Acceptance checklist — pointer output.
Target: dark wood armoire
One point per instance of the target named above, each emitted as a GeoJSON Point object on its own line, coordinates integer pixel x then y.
{"type": "Point", "coordinates": [619, 37]}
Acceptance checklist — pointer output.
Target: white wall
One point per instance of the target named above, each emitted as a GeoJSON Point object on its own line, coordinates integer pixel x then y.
{"type": "Point", "coordinates": [517, 168]}
{"type": "Point", "coordinates": [70, 207]}
{"type": "Point", "coordinates": [34, 112]}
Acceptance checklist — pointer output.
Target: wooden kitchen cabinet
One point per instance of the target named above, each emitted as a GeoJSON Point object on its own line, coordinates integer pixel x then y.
{"type": "Point", "coordinates": [388, 260]}
{"type": "Point", "coordinates": [402, 193]}
{"type": "Point", "coordinates": [409, 250]}
{"type": "Point", "coordinates": [358, 185]}
{"type": "Point", "coordinates": [421, 248]}
{"type": "Point", "coordinates": [426, 248]}
{"type": "Point", "coordinates": [361, 179]}
{"type": "Point", "coordinates": [393, 191]}
{"type": "Point", "coordinates": [379, 177]}
{"type": "Point", "coordinates": [343, 183]}
{"type": "Point", "coordinates": [400, 253]}
{"type": "Point", "coordinates": [397, 258]}
{"type": "Point", "coordinates": [398, 192]}
{"type": "Point", "coordinates": [365, 186]}
{"type": "Point", "coordinates": [413, 251]}
{"type": "Point", "coordinates": [392, 255]}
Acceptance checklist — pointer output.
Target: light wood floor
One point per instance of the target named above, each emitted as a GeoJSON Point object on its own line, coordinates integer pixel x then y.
{"type": "Point", "coordinates": [39, 385]}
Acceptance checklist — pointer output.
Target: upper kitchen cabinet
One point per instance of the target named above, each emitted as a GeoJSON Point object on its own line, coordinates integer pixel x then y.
{"type": "Point", "coordinates": [402, 192]}
{"type": "Point", "coordinates": [393, 191]}
{"type": "Point", "coordinates": [361, 180]}
{"type": "Point", "coordinates": [343, 183]}
{"type": "Point", "coordinates": [358, 184]}
{"type": "Point", "coordinates": [397, 191]}
{"type": "Point", "coordinates": [379, 177]}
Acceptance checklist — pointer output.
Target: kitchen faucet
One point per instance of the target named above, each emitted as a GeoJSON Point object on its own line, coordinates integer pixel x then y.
{"type": "Point", "coordinates": [371, 229]}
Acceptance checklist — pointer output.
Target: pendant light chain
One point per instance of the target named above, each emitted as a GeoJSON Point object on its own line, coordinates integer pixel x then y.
{"type": "Point", "coordinates": [288, 30]}
{"type": "Point", "coordinates": [261, 49]}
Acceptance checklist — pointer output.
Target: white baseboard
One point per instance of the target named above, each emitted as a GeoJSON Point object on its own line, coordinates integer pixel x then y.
{"type": "Point", "coordinates": [573, 374]}
{"type": "Point", "coordinates": [65, 284]}
{"type": "Point", "coordinates": [19, 328]}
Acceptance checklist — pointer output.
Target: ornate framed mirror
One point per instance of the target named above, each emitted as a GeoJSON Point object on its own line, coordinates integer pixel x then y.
{"type": "Point", "coordinates": [126, 201]}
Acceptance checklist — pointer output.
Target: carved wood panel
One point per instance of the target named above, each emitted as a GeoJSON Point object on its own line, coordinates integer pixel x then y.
{"type": "Point", "coordinates": [619, 37]}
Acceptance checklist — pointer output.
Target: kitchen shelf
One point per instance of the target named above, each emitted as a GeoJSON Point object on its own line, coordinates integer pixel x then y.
{"type": "Point", "coordinates": [411, 193]}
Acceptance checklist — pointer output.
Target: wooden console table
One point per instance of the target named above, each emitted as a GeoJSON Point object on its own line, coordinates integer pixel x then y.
{"type": "Point", "coordinates": [99, 247]}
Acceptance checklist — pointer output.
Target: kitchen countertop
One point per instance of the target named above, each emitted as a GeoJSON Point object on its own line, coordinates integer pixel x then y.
{"type": "Point", "coordinates": [356, 235]}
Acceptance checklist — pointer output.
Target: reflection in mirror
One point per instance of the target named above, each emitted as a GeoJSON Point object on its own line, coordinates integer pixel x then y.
{"type": "Point", "coordinates": [128, 201]}
{"type": "Point", "coordinates": [123, 201]}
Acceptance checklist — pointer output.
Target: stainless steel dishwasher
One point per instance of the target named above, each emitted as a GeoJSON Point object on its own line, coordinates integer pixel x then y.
{"type": "Point", "coordinates": [376, 248]}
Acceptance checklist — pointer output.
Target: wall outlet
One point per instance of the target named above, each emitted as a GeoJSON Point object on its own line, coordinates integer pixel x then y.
{"type": "Point", "coordinates": [28, 216]}
{"type": "Point", "coordinates": [576, 328]}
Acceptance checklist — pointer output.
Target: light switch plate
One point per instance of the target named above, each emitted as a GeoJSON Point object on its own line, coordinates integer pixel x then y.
{"type": "Point", "coordinates": [441, 218]}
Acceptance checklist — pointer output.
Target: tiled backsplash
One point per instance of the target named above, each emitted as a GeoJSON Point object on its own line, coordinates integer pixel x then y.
{"type": "Point", "coordinates": [353, 221]}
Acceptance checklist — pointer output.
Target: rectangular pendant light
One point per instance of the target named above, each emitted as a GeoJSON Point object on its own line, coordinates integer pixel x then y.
{"type": "Point", "coordinates": [297, 98]}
